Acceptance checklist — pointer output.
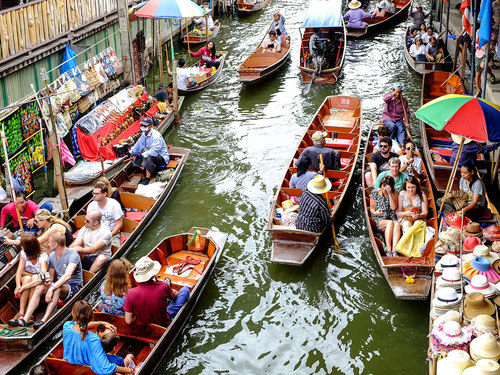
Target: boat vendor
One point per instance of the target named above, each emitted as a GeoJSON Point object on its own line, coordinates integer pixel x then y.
{"type": "Point", "coordinates": [150, 151]}
{"type": "Point", "coordinates": [208, 55]}
{"type": "Point", "coordinates": [165, 95]}
{"type": "Point", "coordinates": [272, 44]}
{"type": "Point", "coordinates": [314, 215]}
{"type": "Point", "coordinates": [396, 112]}
{"type": "Point", "coordinates": [27, 209]}
{"type": "Point", "coordinates": [331, 157]}
{"type": "Point", "coordinates": [470, 149]}
{"type": "Point", "coordinates": [204, 20]}
{"type": "Point", "coordinates": [355, 15]}
{"type": "Point", "coordinates": [279, 26]}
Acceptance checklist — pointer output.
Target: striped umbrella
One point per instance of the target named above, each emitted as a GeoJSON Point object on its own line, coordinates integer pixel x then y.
{"type": "Point", "coordinates": [170, 9]}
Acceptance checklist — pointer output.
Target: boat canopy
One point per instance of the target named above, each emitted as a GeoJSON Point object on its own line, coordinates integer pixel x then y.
{"type": "Point", "coordinates": [323, 13]}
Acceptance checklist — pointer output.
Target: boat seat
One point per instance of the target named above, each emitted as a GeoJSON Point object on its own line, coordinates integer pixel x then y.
{"type": "Point", "coordinates": [338, 143]}
{"type": "Point", "coordinates": [136, 215]}
{"type": "Point", "coordinates": [263, 60]}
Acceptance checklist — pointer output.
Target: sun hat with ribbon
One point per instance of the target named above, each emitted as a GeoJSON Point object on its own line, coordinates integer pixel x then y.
{"type": "Point", "coordinates": [354, 4]}
{"type": "Point", "coordinates": [451, 277]}
{"type": "Point", "coordinates": [288, 206]}
{"type": "Point", "coordinates": [481, 251]}
{"type": "Point", "coordinates": [319, 185]}
{"type": "Point", "coordinates": [485, 347]}
{"type": "Point", "coordinates": [449, 315]}
{"type": "Point", "coordinates": [454, 363]}
{"type": "Point", "coordinates": [145, 269]}
{"type": "Point", "coordinates": [476, 304]}
{"type": "Point", "coordinates": [492, 233]}
{"type": "Point", "coordinates": [470, 243]}
{"type": "Point", "coordinates": [479, 266]}
{"type": "Point", "coordinates": [483, 367]}
{"type": "Point", "coordinates": [455, 220]}
{"type": "Point", "coordinates": [447, 261]}
{"type": "Point", "coordinates": [450, 336]}
{"type": "Point", "coordinates": [483, 324]}
{"type": "Point", "coordinates": [480, 283]}
{"type": "Point", "coordinates": [446, 297]}
{"type": "Point", "coordinates": [452, 233]}
{"type": "Point", "coordinates": [473, 229]}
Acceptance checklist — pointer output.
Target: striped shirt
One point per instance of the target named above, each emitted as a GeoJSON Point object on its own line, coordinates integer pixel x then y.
{"type": "Point", "coordinates": [314, 214]}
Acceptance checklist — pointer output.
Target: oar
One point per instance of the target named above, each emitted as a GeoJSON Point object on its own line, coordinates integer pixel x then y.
{"type": "Point", "coordinates": [404, 111]}
{"type": "Point", "coordinates": [336, 245]}
{"type": "Point", "coordinates": [451, 75]}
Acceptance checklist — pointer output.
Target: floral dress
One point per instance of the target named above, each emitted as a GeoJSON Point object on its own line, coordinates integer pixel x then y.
{"type": "Point", "coordinates": [112, 304]}
{"type": "Point", "coordinates": [382, 203]}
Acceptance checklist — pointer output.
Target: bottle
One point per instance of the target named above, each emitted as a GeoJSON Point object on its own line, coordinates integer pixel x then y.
{"type": "Point", "coordinates": [279, 215]}
{"type": "Point", "coordinates": [213, 70]}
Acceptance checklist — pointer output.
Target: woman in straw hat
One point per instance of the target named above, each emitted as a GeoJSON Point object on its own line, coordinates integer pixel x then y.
{"type": "Point", "coordinates": [355, 15]}
{"type": "Point", "coordinates": [383, 205]}
{"type": "Point", "coordinates": [314, 214]}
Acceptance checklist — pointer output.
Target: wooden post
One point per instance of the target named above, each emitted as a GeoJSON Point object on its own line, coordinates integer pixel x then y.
{"type": "Point", "coordinates": [206, 28]}
{"type": "Point", "coordinates": [176, 93]}
{"type": "Point", "coordinates": [56, 156]}
{"type": "Point", "coordinates": [453, 171]}
{"type": "Point", "coordinates": [126, 45]}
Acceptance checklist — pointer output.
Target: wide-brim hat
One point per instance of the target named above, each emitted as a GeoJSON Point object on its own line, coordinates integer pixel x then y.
{"type": "Point", "coordinates": [456, 220]}
{"type": "Point", "coordinates": [458, 139]}
{"type": "Point", "coordinates": [145, 269]}
{"type": "Point", "coordinates": [492, 233]}
{"type": "Point", "coordinates": [452, 233]}
{"type": "Point", "coordinates": [480, 283]}
{"type": "Point", "coordinates": [495, 266]}
{"type": "Point", "coordinates": [470, 243]}
{"type": "Point", "coordinates": [483, 324]}
{"type": "Point", "coordinates": [448, 316]}
{"type": "Point", "coordinates": [355, 4]}
{"type": "Point", "coordinates": [485, 346]}
{"type": "Point", "coordinates": [483, 367]}
{"type": "Point", "coordinates": [446, 297]}
{"type": "Point", "coordinates": [473, 229]}
{"type": "Point", "coordinates": [450, 277]}
{"type": "Point", "coordinates": [447, 261]}
{"type": "Point", "coordinates": [495, 247]}
{"type": "Point", "coordinates": [482, 251]}
{"type": "Point", "coordinates": [454, 363]}
{"type": "Point", "coordinates": [477, 304]}
{"type": "Point", "coordinates": [451, 334]}
{"type": "Point", "coordinates": [319, 185]}
{"type": "Point", "coordinates": [288, 206]}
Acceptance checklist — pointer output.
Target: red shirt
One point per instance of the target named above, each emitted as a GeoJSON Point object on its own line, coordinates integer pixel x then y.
{"type": "Point", "coordinates": [10, 209]}
{"type": "Point", "coordinates": [205, 54]}
{"type": "Point", "coordinates": [148, 301]}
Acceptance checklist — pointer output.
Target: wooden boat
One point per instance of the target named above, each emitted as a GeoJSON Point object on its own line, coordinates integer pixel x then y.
{"type": "Point", "coordinates": [392, 267]}
{"type": "Point", "coordinates": [437, 144]}
{"type": "Point", "coordinates": [210, 79]}
{"type": "Point", "coordinates": [341, 117]}
{"type": "Point", "coordinates": [327, 16]}
{"type": "Point", "coordinates": [428, 66]}
{"type": "Point", "coordinates": [259, 66]}
{"type": "Point", "coordinates": [150, 342]}
{"type": "Point", "coordinates": [113, 168]}
{"type": "Point", "coordinates": [198, 38]}
{"type": "Point", "coordinates": [14, 349]}
{"type": "Point", "coordinates": [252, 6]}
{"type": "Point", "coordinates": [377, 24]}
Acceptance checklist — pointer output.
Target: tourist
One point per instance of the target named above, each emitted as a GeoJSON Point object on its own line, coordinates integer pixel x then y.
{"type": "Point", "coordinates": [470, 149]}
{"type": "Point", "coordinates": [112, 214]}
{"type": "Point", "coordinates": [31, 272]}
{"type": "Point", "coordinates": [383, 131]}
{"type": "Point", "coordinates": [184, 81]}
{"type": "Point", "coordinates": [66, 279]}
{"type": "Point", "coordinates": [418, 50]}
{"type": "Point", "coordinates": [83, 347]}
{"type": "Point", "coordinates": [112, 192]}
{"type": "Point", "coordinates": [355, 15]}
{"type": "Point", "coordinates": [109, 342]}
{"type": "Point", "coordinates": [412, 204]}
{"type": "Point", "coordinates": [148, 302]}
{"type": "Point", "coordinates": [426, 37]}
{"type": "Point", "coordinates": [150, 150]}
{"type": "Point", "coordinates": [314, 214]}
{"type": "Point", "coordinates": [208, 55]}
{"type": "Point", "coordinates": [433, 53]}
{"type": "Point", "coordinates": [399, 177]}
{"type": "Point", "coordinates": [380, 8]}
{"type": "Point", "coordinates": [411, 38]}
{"type": "Point", "coordinates": [411, 164]}
{"type": "Point", "coordinates": [379, 161]}
{"type": "Point", "coordinates": [383, 205]}
{"type": "Point", "coordinates": [26, 208]}
{"type": "Point", "coordinates": [93, 243]}
{"type": "Point", "coordinates": [423, 29]}
{"type": "Point", "coordinates": [417, 17]}
{"type": "Point", "coordinates": [300, 179]}
{"type": "Point", "coordinates": [279, 26]}
{"type": "Point", "coordinates": [272, 44]}
{"type": "Point", "coordinates": [396, 112]}
{"type": "Point", "coordinates": [331, 157]}
{"type": "Point", "coordinates": [115, 286]}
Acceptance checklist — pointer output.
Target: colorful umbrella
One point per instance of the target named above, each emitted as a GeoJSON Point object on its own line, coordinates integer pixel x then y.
{"type": "Point", "coordinates": [463, 115]}
{"type": "Point", "coordinates": [170, 9]}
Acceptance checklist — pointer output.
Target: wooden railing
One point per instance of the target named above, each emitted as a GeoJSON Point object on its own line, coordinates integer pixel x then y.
{"type": "Point", "coordinates": [39, 22]}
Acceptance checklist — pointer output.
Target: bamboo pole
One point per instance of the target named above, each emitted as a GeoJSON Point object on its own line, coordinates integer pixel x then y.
{"type": "Point", "coordinates": [174, 76]}
{"type": "Point", "coordinates": [336, 245]}
{"type": "Point", "coordinates": [453, 171]}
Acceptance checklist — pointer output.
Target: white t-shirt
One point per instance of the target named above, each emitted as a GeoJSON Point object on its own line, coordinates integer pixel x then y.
{"type": "Point", "coordinates": [417, 164]}
{"type": "Point", "coordinates": [426, 37]}
{"type": "Point", "coordinates": [417, 51]}
{"type": "Point", "coordinates": [90, 237]}
{"type": "Point", "coordinates": [34, 268]}
{"type": "Point", "coordinates": [182, 76]}
{"type": "Point", "coordinates": [110, 213]}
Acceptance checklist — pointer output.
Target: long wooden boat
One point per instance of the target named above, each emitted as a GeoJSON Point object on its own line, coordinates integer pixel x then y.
{"type": "Point", "coordinates": [259, 66]}
{"type": "Point", "coordinates": [249, 7]}
{"type": "Point", "coordinates": [341, 117]}
{"type": "Point", "coordinates": [427, 66]}
{"type": "Point", "coordinates": [198, 38]}
{"type": "Point", "coordinates": [377, 24]}
{"type": "Point", "coordinates": [327, 16]}
{"type": "Point", "coordinates": [437, 144]}
{"type": "Point", "coordinates": [114, 167]}
{"type": "Point", "coordinates": [149, 343]}
{"type": "Point", "coordinates": [15, 349]}
{"type": "Point", "coordinates": [210, 80]}
{"type": "Point", "coordinates": [392, 267]}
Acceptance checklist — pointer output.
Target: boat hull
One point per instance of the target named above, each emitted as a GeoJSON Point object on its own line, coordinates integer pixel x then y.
{"type": "Point", "coordinates": [209, 81]}
{"type": "Point", "coordinates": [195, 38]}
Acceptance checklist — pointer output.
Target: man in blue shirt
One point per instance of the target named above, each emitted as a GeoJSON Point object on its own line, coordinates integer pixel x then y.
{"type": "Point", "coordinates": [150, 151]}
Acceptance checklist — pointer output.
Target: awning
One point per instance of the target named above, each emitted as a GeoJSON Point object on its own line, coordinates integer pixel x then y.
{"type": "Point", "coordinates": [323, 13]}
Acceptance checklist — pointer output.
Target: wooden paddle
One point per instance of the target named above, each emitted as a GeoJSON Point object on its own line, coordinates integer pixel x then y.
{"type": "Point", "coordinates": [336, 245]}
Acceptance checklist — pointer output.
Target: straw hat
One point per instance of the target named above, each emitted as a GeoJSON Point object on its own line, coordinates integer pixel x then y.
{"type": "Point", "coordinates": [452, 234]}
{"type": "Point", "coordinates": [495, 266]}
{"type": "Point", "coordinates": [483, 324]}
{"type": "Point", "coordinates": [456, 362]}
{"type": "Point", "coordinates": [288, 206]}
{"type": "Point", "coordinates": [446, 297]}
{"type": "Point", "coordinates": [319, 185]}
{"type": "Point", "coordinates": [481, 251]}
{"type": "Point", "coordinates": [448, 316]}
{"type": "Point", "coordinates": [450, 335]}
{"type": "Point", "coordinates": [483, 367]}
{"type": "Point", "coordinates": [354, 4]}
{"type": "Point", "coordinates": [492, 233]}
{"type": "Point", "coordinates": [470, 243]}
{"type": "Point", "coordinates": [458, 139]}
{"type": "Point", "coordinates": [145, 269]}
{"type": "Point", "coordinates": [318, 136]}
{"type": "Point", "coordinates": [473, 229]}
{"type": "Point", "coordinates": [495, 246]}
{"type": "Point", "coordinates": [450, 277]}
{"type": "Point", "coordinates": [485, 346]}
{"type": "Point", "coordinates": [447, 261]}
{"type": "Point", "coordinates": [476, 304]}
{"type": "Point", "coordinates": [480, 283]}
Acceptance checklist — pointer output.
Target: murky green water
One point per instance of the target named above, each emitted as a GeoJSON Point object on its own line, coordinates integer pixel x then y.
{"type": "Point", "coordinates": [335, 315]}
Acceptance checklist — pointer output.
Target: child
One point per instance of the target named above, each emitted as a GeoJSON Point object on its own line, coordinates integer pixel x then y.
{"type": "Point", "coordinates": [109, 342]}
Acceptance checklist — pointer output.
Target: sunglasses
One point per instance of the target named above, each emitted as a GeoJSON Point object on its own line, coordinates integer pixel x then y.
{"type": "Point", "coordinates": [410, 148]}
{"type": "Point", "coordinates": [88, 221]}
{"type": "Point", "coordinates": [384, 146]}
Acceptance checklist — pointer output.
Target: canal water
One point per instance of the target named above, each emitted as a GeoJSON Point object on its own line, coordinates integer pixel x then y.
{"type": "Point", "coordinates": [334, 315]}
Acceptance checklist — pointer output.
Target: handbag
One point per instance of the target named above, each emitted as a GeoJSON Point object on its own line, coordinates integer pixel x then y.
{"type": "Point", "coordinates": [413, 209]}
{"type": "Point", "coordinates": [83, 104]}
{"type": "Point", "coordinates": [73, 111]}
{"type": "Point", "coordinates": [92, 78]}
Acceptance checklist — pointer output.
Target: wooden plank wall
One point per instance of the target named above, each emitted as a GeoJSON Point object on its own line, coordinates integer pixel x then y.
{"type": "Point", "coordinates": [36, 23]}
